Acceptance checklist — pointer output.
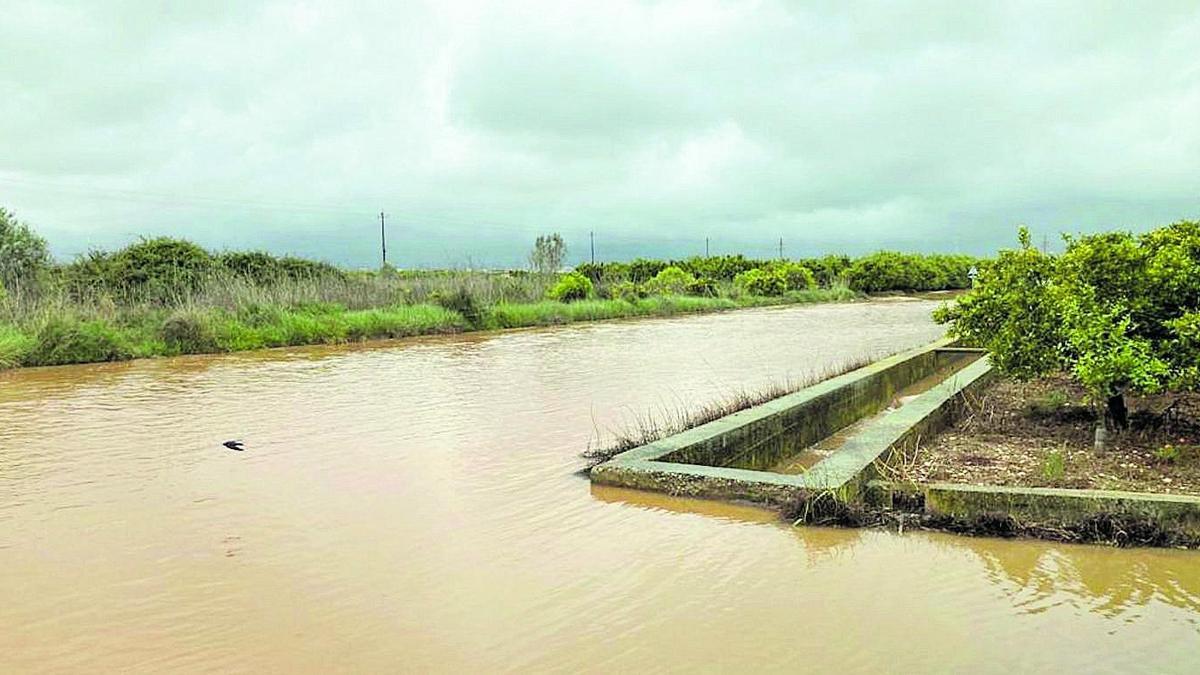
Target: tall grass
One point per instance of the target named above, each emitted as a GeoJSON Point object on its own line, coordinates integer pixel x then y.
{"type": "Point", "coordinates": [225, 313]}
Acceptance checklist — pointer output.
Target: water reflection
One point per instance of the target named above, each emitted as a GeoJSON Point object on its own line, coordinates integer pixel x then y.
{"type": "Point", "coordinates": [1034, 576]}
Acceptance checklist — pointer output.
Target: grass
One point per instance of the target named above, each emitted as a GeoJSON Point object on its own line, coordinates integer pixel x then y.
{"type": "Point", "coordinates": [65, 339]}
{"type": "Point", "coordinates": [230, 315]}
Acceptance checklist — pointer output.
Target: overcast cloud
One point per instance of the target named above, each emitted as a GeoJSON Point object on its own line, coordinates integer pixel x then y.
{"type": "Point", "coordinates": [924, 126]}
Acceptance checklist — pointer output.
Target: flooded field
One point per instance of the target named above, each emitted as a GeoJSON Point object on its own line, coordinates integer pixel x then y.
{"type": "Point", "coordinates": [416, 507]}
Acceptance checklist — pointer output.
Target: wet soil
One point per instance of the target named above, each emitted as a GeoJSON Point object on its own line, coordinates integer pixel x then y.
{"type": "Point", "coordinates": [1041, 433]}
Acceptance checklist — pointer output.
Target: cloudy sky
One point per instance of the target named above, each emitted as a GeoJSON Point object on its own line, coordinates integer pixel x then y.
{"type": "Point", "coordinates": [476, 125]}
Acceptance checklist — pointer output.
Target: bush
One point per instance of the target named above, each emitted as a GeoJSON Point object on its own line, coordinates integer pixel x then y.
{"type": "Point", "coordinates": [64, 340]}
{"type": "Point", "coordinates": [724, 267]}
{"type": "Point", "coordinates": [593, 271]}
{"type": "Point", "coordinates": [160, 270]}
{"type": "Point", "coordinates": [762, 281]}
{"type": "Point", "coordinates": [14, 346]}
{"type": "Point", "coordinates": [627, 291]}
{"type": "Point", "coordinates": [796, 277]}
{"type": "Point", "coordinates": [891, 271]}
{"type": "Point", "coordinates": [301, 269]}
{"type": "Point", "coordinates": [828, 269]}
{"type": "Point", "coordinates": [256, 266]}
{"type": "Point", "coordinates": [571, 286]}
{"type": "Point", "coordinates": [462, 301]}
{"type": "Point", "coordinates": [670, 281]}
{"type": "Point", "coordinates": [641, 270]}
{"type": "Point", "coordinates": [702, 287]}
{"type": "Point", "coordinates": [188, 331]}
{"type": "Point", "coordinates": [884, 271]}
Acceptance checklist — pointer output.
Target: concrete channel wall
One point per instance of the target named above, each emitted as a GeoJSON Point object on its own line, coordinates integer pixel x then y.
{"type": "Point", "coordinates": [724, 459]}
{"type": "Point", "coordinates": [801, 419]}
{"type": "Point", "coordinates": [699, 462]}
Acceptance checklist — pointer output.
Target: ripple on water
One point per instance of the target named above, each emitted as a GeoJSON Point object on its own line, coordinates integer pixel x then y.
{"type": "Point", "coordinates": [415, 506]}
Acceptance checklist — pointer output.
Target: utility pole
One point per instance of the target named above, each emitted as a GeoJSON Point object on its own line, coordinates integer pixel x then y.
{"type": "Point", "coordinates": [781, 248]}
{"type": "Point", "coordinates": [592, 238]}
{"type": "Point", "coordinates": [706, 247]}
{"type": "Point", "coordinates": [383, 238]}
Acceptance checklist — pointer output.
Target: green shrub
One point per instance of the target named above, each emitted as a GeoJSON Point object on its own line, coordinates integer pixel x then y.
{"type": "Point", "coordinates": [462, 301]}
{"type": "Point", "coordinates": [257, 314]}
{"type": "Point", "coordinates": [892, 271]}
{"type": "Point", "coordinates": [1011, 313]}
{"type": "Point", "coordinates": [302, 269]}
{"type": "Point", "coordinates": [670, 281]}
{"type": "Point", "coordinates": [883, 271]}
{"type": "Point", "coordinates": [189, 331]}
{"type": "Point", "coordinates": [627, 291]}
{"type": "Point", "coordinates": [1054, 467]}
{"type": "Point", "coordinates": [723, 267]}
{"type": "Point", "coordinates": [1168, 453]}
{"type": "Point", "coordinates": [703, 287]}
{"type": "Point", "coordinates": [641, 270]}
{"type": "Point", "coordinates": [828, 269]}
{"type": "Point", "coordinates": [571, 286]}
{"type": "Point", "coordinates": [64, 340]}
{"type": "Point", "coordinates": [796, 277]}
{"type": "Point", "coordinates": [762, 281]}
{"type": "Point", "coordinates": [15, 345]}
{"type": "Point", "coordinates": [256, 266]}
{"type": "Point", "coordinates": [159, 270]}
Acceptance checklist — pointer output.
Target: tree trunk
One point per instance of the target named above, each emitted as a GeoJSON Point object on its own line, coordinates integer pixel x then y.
{"type": "Point", "coordinates": [1118, 414]}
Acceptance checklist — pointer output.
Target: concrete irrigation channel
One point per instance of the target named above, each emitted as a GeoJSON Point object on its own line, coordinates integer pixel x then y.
{"type": "Point", "coordinates": [830, 440]}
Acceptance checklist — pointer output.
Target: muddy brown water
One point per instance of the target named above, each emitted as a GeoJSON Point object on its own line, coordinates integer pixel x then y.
{"type": "Point", "coordinates": [414, 507]}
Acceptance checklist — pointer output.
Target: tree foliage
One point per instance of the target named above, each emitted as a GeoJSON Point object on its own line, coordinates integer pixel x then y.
{"type": "Point", "coordinates": [23, 254]}
{"type": "Point", "coordinates": [548, 253]}
{"type": "Point", "coordinates": [670, 281]}
{"type": "Point", "coordinates": [1119, 311]}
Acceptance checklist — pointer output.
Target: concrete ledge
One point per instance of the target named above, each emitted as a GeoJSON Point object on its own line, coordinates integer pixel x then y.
{"type": "Point", "coordinates": [721, 459]}
{"type": "Point", "coordinates": [673, 465]}
{"type": "Point", "coordinates": [1178, 513]}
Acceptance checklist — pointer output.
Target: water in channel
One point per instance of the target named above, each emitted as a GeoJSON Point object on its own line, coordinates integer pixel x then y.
{"type": "Point", "coordinates": [415, 506]}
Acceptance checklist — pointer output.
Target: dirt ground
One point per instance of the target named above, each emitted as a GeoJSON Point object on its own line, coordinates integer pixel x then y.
{"type": "Point", "coordinates": [1040, 434]}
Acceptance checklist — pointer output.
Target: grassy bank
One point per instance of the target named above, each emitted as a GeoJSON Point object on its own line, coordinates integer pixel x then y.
{"type": "Point", "coordinates": [165, 297]}
{"type": "Point", "coordinates": [74, 335]}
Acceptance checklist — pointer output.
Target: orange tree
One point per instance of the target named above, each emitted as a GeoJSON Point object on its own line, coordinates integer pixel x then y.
{"type": "Point", "coordinates": [1120, 312]}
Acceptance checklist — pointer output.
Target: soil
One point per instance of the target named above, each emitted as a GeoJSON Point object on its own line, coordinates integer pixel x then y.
{"type": "Point", "coordinates": [1041, 433]}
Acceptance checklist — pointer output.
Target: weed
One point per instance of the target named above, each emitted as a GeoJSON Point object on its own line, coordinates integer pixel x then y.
{"type": "Point", "coordinates": [1168, 453]}
{"type": "Point", "coordinates": [1054, 467]}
